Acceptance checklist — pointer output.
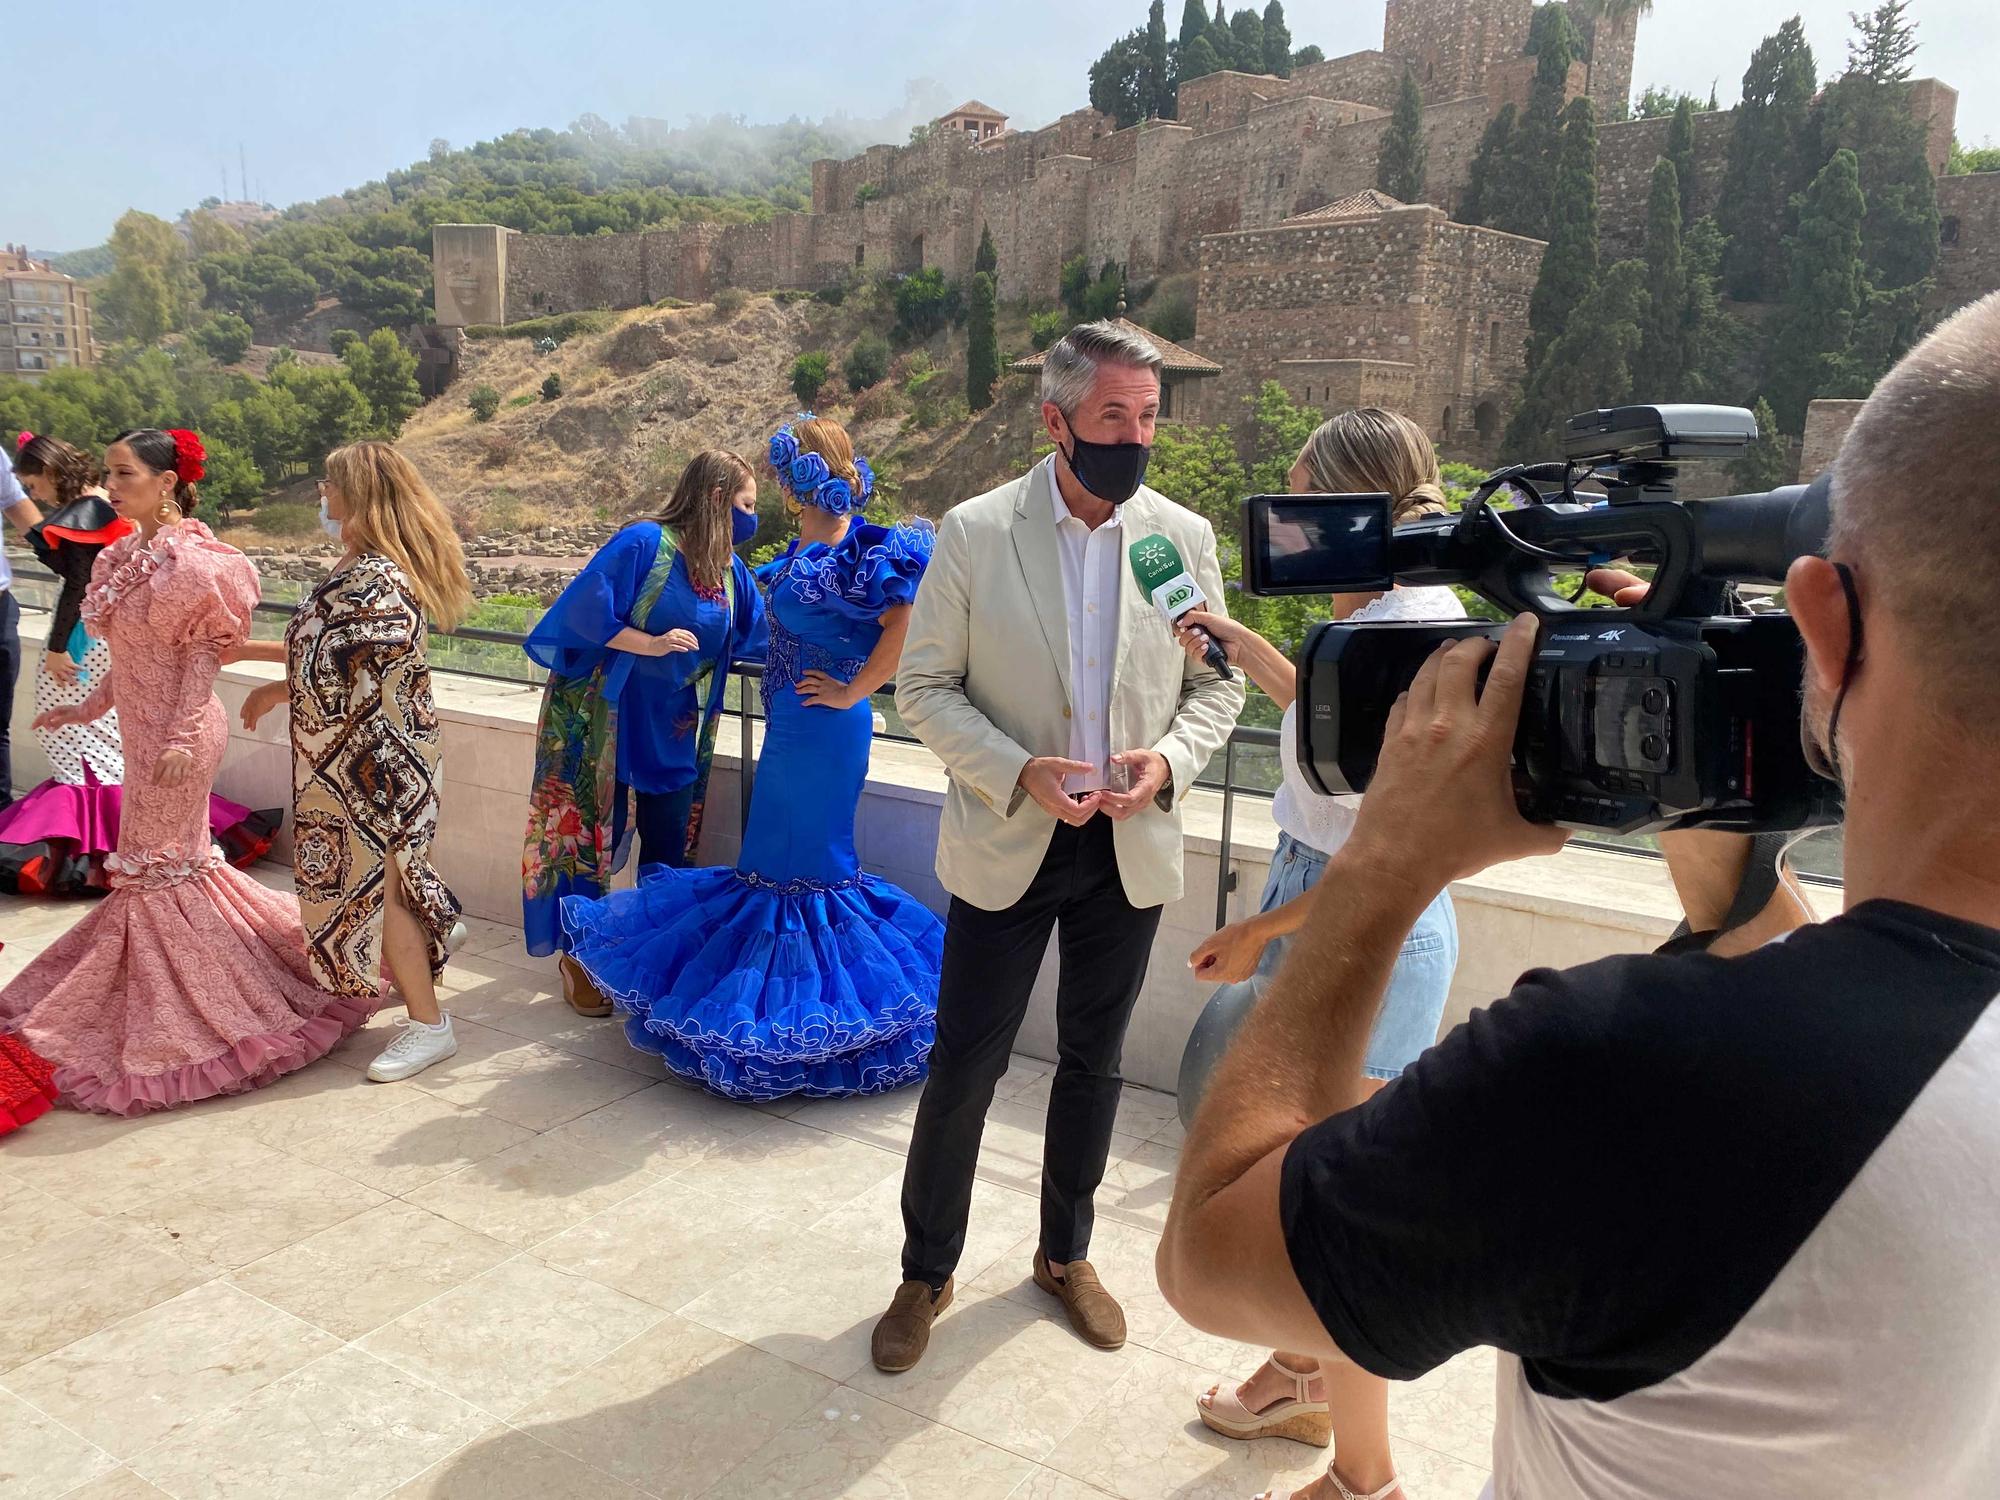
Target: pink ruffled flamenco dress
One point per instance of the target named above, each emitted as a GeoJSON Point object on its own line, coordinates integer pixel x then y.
{"type": "Point", "coordinates": [190, 979]}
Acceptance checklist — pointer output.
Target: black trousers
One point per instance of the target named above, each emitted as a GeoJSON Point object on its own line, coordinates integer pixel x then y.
{"type": "Point", "coordinates": [10, 668]}
{"type": "Point", "coordinates": [661, 821]}
{"type": "Point", "coordinates": [991, 959]}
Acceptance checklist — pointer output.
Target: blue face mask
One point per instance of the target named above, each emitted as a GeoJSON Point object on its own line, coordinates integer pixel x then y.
{"type": "Point", "coordinates": [743, 525]}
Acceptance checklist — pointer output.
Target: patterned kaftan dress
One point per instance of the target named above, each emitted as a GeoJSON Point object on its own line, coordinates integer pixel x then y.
{"type": "Point", "coordinates": [365, 751]}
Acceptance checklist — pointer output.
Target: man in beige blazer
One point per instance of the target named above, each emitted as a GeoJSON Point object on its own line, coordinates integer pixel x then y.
{"type": "Point", "coordinates": [1072, 725]}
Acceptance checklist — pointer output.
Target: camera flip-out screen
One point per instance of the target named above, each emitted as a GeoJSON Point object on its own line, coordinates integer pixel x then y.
{"type": "Point", "coordinates": [1316, 544]}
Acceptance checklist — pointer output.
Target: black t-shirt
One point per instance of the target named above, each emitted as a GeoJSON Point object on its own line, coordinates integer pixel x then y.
{"type": "Point", "coordinates": [1607, 1171]}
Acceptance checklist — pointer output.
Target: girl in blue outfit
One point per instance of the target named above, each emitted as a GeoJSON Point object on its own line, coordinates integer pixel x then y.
{"type": "Point", "coordinates": [638, 649]}
{"type": "Point", "coordinates": [1293, 1395]}
{"type": "Point", "coordinates": [794, 972]}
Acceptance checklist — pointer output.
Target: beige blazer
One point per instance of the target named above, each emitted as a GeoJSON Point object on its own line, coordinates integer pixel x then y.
{"type": "Point", "coordinates": [985, 683]}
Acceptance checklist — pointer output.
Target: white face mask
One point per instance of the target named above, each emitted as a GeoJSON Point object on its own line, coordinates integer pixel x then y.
{"type": "Point", "coordinates": [327, 523]}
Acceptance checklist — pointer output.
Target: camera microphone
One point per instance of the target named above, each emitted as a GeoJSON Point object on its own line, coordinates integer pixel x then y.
{"type": "Point", "coordinates": [1156, 563]}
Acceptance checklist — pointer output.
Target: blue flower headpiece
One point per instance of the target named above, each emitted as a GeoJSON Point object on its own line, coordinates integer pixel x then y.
{"type": "Point", "coordinates": [807, 478]}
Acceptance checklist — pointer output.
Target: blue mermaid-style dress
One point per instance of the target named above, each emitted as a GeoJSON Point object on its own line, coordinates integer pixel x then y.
{"type": "Point", "coordinates": [795, 972]}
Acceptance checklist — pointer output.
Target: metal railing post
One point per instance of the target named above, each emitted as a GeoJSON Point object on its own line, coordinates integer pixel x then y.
{"type": "Point", "coordinates": [1225, 873]}
{"type": "Point", "coordinates": [746, 758]}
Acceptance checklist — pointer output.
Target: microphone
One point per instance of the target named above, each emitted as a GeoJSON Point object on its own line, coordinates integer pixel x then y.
{"type": "Point", "coordinates": [1156, 563]}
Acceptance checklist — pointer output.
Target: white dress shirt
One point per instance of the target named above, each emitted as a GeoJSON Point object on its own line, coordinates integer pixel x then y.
{"type": "Point", "coordinates": [11, 495]}
{"type": "Point", "coordinates": [1092, 573]}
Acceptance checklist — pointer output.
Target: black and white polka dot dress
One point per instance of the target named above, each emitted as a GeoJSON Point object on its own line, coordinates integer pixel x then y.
{"type": "Point", "coordinates": [94, 744]}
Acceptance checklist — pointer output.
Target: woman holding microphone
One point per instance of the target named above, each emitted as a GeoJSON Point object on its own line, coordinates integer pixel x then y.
{"type": "Point", "coordinates": [1292, 1395]}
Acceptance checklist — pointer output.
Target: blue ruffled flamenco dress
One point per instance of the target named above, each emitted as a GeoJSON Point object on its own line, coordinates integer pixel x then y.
{"type": "Point", "coordinates": [795, 972]}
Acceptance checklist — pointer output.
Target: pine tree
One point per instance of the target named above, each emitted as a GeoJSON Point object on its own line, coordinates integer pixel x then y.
{"type": "Point", "coordinates": [1887, 42]}
{"type": "Point", "coordinates": [1569, 266]}
{"type": "Point", "coordinates": [1221, 39]}
{"type": "Point", "coordinates": [1524, 208]}
{"type": "Point", "coordinates": [1246, 30]}
{"type": "Point", "coordinates": [1824, 292]}
{"type": "Point", "coordinates": [986, 258]}
{"type": "Point", "coordinates": [1588, 366]}
{"type": "Point", "coordinates": [1399, 171]}
{"type": "Point", "coordinates": [1680, 151]}
{"type": "Point", "coordinates": [982, 344]}
{"type": "Point", "coordinates": [1767, 154]}
{"type": "Point", "coordinates": [1156, 80]}
{"type": "Point", "coordinates": [1117, 80]}
{"type": "Point", "coordinates": [1277, 41]}
{"type": "Point", "coordinates": [1867, 110]}
{"type": "Point", "coordinates": [1483, 178]}
{"type": "Point", "coordinates": [1767, 462]}
{"type": "Point", "coordinates": [1194, 21]}
{"type": "Point", "coordinates": [1662, 369]}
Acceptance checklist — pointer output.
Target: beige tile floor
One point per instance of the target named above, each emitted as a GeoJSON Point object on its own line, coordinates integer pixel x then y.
{"type": "Point", "coordinates": [545, 1270]}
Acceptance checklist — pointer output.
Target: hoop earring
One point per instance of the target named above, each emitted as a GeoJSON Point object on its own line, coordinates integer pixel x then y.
{"type": "Point", "coordinates": [166, 505]}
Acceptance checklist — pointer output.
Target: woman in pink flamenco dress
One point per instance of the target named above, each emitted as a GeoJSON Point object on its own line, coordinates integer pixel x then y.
{"type": "Point", "coordinates": [190, 979]}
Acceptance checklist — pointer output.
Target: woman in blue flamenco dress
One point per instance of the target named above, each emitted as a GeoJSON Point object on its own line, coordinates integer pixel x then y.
{"type": "Point", "coordinates": [795, 972]}
{"type": "Point", "coordinates": [638, 649]}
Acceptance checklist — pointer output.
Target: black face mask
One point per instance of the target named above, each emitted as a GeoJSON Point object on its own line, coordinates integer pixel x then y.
{"type": "Point", "coordinates": [1110, 471]}
{"type": "Point", "coordinates": [1825, 759]}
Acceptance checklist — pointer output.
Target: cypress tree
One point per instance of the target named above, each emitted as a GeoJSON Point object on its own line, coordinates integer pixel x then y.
{"type": "Point", "coordinates": [986, 258]}
{"type": "Point", "coordinates": [1680, 151]}
{"type": "Point", "coordinates": [1198, 60]}
{"type": "Point", "coordinates": [1662, 370]}
{"type": "Point", "coordinates": [1767, 462]}
{"type": "Point", "coordinates": [1277, 41]}
{"type": "Point", "coordinates": [1711, 338]}
{"type": "Point", "coordinates": [1194, 21]}
{"type": "Point", "coordinates": [982, 344]}
{"type": "Point", "coordinates": [1484, 177]}
{"type": "Point", "coordinates": [1156, 81]}
{"type": "Point", "coordinates": [1824, 293]}
{"type": "Point", "coordinates": [1569, 266]}
{"type": "Point", "coordinates": [1766, 161]}
{"type": "Point", "coordinates": [1867, 110]}
{"type": "Point", "coordinates": [1588, 366]}
{"type": "Point", "coordinates": [1399, 171]}
{"type": "Point", "coordinates": [1246, 30]}
{"type": "Point", "coordinates": [1221, 39]}
{"type": "Point", "coordinates": [1525, 207]}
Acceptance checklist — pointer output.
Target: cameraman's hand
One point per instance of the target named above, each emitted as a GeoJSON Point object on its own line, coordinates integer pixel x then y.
{"type": "Point", "coordinates": [1441, 804]}
{"type": "Point", "coordinates": [1626, 590]}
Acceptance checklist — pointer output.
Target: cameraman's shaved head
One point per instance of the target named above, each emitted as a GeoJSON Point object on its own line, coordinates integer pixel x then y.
{"type": "Point", "coordinates": [1916, 505]}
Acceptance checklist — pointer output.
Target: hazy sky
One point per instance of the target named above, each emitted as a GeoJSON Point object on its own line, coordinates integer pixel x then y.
{"type": "Point", "coordinates": [161, 96]}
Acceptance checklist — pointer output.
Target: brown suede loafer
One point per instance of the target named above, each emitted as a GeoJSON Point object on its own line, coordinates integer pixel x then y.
{"type": "Point", "coordinates": [905, 1330]}
{"type": "Point", "coordinates": [1093, 1313]}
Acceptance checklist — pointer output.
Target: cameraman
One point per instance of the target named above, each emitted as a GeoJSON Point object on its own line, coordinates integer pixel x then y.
{"type": "Point", "coordinates": [1716, 1212]}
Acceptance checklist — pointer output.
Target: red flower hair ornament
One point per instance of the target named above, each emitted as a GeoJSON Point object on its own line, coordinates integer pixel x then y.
{"type": "Point", "coordinates": [23, 440]}
{"type": "Point", "coordinates": [190, 458]}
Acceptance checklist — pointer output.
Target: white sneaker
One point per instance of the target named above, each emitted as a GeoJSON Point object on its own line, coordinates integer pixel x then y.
{"type": "Point", "coordinates": [414, 1049]}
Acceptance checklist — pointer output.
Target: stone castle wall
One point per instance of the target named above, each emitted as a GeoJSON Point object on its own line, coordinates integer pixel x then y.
{"type": "Point", "coordinates": [1969, 239]}
{"type": "Point", "coordinates": [1345, 300]}
{"type": "Point", "coordinates": [1626, 152]}
{"type": "Point", "coordinates": [1826, 429]}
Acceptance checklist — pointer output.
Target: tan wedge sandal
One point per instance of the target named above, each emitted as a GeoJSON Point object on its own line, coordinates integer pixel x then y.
{"type": "Point", "coordinates": [1297, 1416]}
{"type": "Point", "coordinates": [1345, 1493]}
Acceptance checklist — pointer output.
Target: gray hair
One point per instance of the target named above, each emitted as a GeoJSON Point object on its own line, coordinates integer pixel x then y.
{"type": "Point", "coordinates": [1916, 503]}
{"type": "Point", "coordinates": [1070, 369]}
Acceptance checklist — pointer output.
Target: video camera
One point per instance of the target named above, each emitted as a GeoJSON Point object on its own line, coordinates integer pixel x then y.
{"type": "Point", "coordinates": [1678, 713]}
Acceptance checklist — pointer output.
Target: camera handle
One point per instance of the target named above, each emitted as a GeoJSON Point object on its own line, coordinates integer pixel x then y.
{"type": "Point", "coordinates": [1660, 532]}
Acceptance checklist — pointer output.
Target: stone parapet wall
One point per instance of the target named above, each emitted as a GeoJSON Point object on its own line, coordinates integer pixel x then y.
{"type": "Point", "coordinates": [1826, 429]}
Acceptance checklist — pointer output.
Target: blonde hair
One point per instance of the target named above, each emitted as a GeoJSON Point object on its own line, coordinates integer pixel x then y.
{"type": "Point", "coordinates": [1377, 451]}
{"type": "Point", "coordinates": [392, 513]}
{"type": "Point", "coordinates": [698, 513]}
{"type": "Point", "coordinates": [830, 441]}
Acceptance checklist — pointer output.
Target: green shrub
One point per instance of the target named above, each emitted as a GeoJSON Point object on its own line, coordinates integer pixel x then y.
{"type": "Point", "coordinates": [560, 326]}
{"type": "Point", "coordinates": [1044, 328]}
{"type": "Point", "coordinates": [484, 401]}
{"type": "Point", "coordinates": [867, 363]}
{"type": "Point", "coordinates": [552, 387]}
{"type": "Point", "coordinates": [809, 373]}
{"type": "Point", "coordinates": [285, 519]}
{"type": "Point", "coordinates": [925, 303]}
{"type": "Point", "coordinates": [520, 401]}
{"type": "Point", "coordinates": [224, 338]}
{"type": "Point", "coordinates": [730, 301]}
